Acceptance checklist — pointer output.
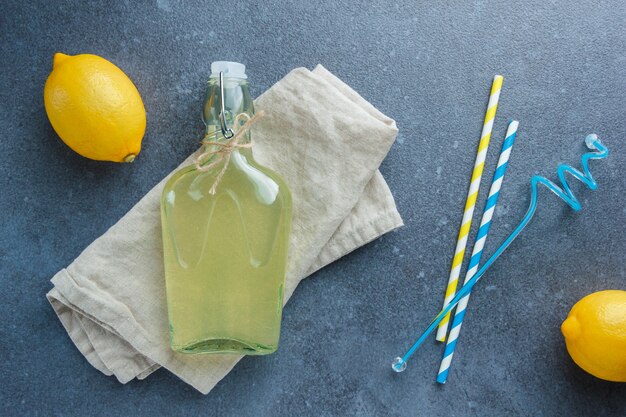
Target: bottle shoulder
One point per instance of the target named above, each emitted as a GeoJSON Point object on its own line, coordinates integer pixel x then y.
{"type": "Point", "coordinates": [242, 175]}
{"type": "Point", "coordinates": [275, 177]}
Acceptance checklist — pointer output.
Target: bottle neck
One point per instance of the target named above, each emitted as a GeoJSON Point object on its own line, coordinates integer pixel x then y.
{"type": "Point", "coordinates": [237, 99]}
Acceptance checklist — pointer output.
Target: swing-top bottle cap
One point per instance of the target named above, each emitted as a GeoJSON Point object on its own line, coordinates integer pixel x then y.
{"type": "Point", "coordinates": [230, 69]}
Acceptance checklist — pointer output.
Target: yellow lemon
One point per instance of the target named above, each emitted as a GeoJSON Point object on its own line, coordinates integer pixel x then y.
{"type": "Point", "coordinates": [595, 334]}
{"type": "Point", "coordinates": [95, 108]}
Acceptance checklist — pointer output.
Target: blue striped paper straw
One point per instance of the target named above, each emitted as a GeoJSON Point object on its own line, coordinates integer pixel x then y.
{"type": "Point", "coordinates": [479, 245]}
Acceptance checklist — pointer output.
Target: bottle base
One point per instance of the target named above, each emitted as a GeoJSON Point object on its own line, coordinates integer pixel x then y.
{"type": "Point", "coordinates": [232, 346]}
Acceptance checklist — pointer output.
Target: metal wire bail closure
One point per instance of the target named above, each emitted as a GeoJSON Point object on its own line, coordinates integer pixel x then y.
{"type": "Point", "coordinates": [226, 131]}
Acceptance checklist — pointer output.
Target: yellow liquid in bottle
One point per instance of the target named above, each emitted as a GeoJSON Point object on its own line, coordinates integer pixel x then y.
{"type": "Point", "coordinates": [225, 257]}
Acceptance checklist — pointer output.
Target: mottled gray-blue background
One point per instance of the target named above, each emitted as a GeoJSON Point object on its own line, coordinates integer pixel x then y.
{"type": "Point", "coordinates": [428, 65]}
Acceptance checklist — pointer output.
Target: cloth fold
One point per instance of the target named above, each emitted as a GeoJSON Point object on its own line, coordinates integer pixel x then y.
{"type": "Point", "coordinates": [325, 140]}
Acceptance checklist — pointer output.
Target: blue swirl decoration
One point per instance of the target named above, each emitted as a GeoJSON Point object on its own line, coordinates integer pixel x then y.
{"type": "Point", "coordinates": [564, 192]}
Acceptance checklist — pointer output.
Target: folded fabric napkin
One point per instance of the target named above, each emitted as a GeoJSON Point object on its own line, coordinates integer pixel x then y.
{"type": "Point", "coordinates": [325, 140]}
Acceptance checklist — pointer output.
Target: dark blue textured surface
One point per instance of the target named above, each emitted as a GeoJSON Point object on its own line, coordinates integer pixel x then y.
{"type": "Point", "coordinates": [427, 65]}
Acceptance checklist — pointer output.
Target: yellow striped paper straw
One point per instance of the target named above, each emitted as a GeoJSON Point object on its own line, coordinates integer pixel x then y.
{"type": "Point", "coordinates": [470, 202]}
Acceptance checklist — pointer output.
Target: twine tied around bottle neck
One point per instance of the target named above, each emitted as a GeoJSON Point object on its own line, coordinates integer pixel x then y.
{"type": "Point", "coordinates": [224, 149]}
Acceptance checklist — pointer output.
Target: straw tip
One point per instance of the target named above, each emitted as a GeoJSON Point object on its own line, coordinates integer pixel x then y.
{"type": "Point", "coordinates": [398, 364]}
{"type": "Point", "coordinates": [498, 77]}
{"type": "Point", "coordinates": [591, 140]}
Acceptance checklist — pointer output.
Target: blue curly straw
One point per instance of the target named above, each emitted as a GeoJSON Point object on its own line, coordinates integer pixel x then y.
{"type": "Point", "coordinates": [565, 193]}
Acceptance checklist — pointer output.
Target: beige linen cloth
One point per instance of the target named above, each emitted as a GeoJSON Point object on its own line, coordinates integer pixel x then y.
{"type": "Point", "coordinates": [325, 140]}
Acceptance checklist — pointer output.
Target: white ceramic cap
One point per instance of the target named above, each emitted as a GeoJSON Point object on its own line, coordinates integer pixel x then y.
{"type": "Point", "coordinates": [230, 69]}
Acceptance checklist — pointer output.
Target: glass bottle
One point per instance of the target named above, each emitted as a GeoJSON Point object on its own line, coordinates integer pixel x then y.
{"type": "Point", "coordinates": [225, 253]}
